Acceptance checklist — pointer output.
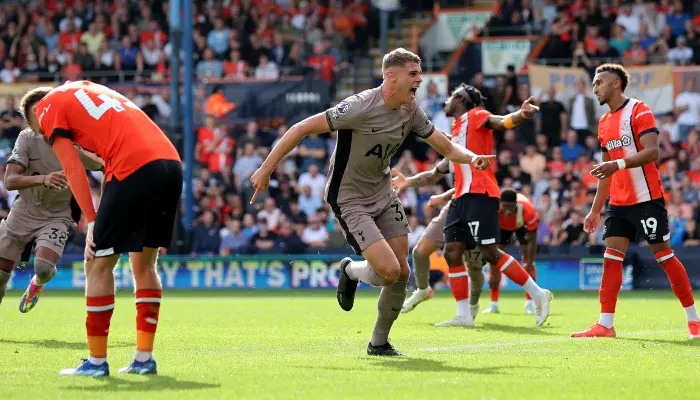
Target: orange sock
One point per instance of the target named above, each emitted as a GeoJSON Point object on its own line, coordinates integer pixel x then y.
{"type": "Point", "coordinates": [99, 315]}
{"type": "Point", "coordinates": [533, 274]}
{"type": "Point", "coordinates": [147, 309]}
{"type": "Point", "coordinates": [494, 293]}
{"type": "Point", "coordinates": [611, 280]}
{"type": "Point", "coordinates": [512, 269]}
{"type": "Point", "coordinates": [459, 282]}
{"type": "Point", "coordinates": [676, 275]}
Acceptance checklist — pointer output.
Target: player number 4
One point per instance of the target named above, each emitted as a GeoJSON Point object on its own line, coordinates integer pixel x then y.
{"type": "Point", "coordinates": [108, 103]}
{"type": "Point", "coordinates": [649, 225]}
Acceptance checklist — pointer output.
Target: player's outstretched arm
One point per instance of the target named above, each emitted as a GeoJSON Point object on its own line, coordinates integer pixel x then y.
{"type": "Point", "coordinates": [438, 199]}
{"type": "Point", "coordinates": [457, 153]}
{"type": "Point", "coordinates": [310, 126]}
{"type": "Point", "coordinates": [426, 178]}
{"type": "Point", "coordinates": [15, 180]}
{"type": "Point", "coordinates": [75, 173]}
{"type": "Point", "coordinates": [512, 120]}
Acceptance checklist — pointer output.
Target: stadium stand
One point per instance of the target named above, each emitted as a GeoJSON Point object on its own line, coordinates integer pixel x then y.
{"type": "Point", "coordinates": [264, 44]}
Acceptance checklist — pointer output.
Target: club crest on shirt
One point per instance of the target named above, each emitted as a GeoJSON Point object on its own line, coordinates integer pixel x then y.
{"type": "Point", "coordinates": [341, 109]}
{"type": "Point", "coordinates": [624, 141]}
{"type": "Point", "coordinates": [626, 127]}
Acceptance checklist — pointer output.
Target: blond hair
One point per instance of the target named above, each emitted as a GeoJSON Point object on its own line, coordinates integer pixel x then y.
{"type": "Point", "coordinates": [398, 58]}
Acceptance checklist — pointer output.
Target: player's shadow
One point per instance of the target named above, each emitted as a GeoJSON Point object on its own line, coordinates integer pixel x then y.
{"type": "Point", "coordinates": [644, 342]}
{"type": "Point", "coordinates": [428, 365]}
{"type": "Point", "coordinates": [148, 383]}
{"type": "Point", "coordinates": [523, 330]}
{"type": "Point", "coordinates": [55, 344]}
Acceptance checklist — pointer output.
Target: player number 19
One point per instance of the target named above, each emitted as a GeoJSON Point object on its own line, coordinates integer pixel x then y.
{"type": "Point", "coordinates": [108, 103]}
{"type": "Point", "coordinates": [649, 225]}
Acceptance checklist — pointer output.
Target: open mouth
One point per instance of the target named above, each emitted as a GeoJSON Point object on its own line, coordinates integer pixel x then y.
{"type": "Point", "coordinates": [413, 92]}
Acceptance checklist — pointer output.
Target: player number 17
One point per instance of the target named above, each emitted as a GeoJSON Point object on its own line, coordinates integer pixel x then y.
{"type": "Point", "coordinates": [108, 103]}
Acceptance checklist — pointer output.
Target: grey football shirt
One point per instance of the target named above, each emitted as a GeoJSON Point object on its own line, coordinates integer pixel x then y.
{"type": "Point", "coordinates": [37, 157]}
{"type": "Point", "coordinates": [369, 134]}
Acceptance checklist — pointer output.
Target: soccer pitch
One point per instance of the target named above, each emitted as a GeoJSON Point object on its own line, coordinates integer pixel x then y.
{"type": "Point", "coordinates": [284, 345]}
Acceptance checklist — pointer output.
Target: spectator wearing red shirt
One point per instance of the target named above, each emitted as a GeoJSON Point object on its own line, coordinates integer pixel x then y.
{"type": "Point", "coordinates": [323, 63]}
{"type": "Point", "coordinates": [235, 67]}
{"type": "Point", "coordinates": [70, 38]}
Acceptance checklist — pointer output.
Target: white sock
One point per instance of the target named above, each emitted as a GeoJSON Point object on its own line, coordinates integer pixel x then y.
{"type": "Point", "coordinates": [528, 302]}
{"type": "Point", "coordinates": [464, 309]}
{"type": "Point", "coordinates": [353, 267]}
{"type": "Point", "coordinates": [533, 289]}
{"type": "Point", "coordinates": [35, 280]}
{"type": "Point", "coordinates": [143, 356]}
{"type": "Point", "coordinates": [607, 319]}
{"type": "Point", "coordinates": [494, 304]}
{"type": "Point", "coordinates": [97, 361]}
{"type": "Point", "coordinates": [691, 314]}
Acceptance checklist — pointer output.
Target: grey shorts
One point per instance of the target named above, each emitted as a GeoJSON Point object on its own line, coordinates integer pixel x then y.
{"type": "Point", "coordinates": [52, 235]}
{"type": "Point", "coordinates": [366, 224]}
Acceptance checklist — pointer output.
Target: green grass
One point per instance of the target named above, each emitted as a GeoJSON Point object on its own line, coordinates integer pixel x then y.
{"type": "Point", "coordinates": [284, 345]}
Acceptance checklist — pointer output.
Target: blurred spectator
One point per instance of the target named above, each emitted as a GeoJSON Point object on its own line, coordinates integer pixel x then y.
{"type": "Point", "coordinates": [288, 241]}
{"type": "Point", "coordinates": [573, 233]}
{"type": "Point", "coordinates": [629, 22]}
{"type": "Point", "coordinates": [217, 39]}
{"type": "Point", "coordinates": [314, 179]}
{"type": "Point", "coordinates": [93, 38]}
{"type": "Point", "coordinates": [217, 104]}
{"type": "Point", "coordinates": [266, 69]}
{"type": "Point", "coordinates": [235, 67]}
{"type": "Point", "coordinates": [533, 163]}
{"type": "Point", "coordinates": [308, 203]}
{"type": "Point", "coordinates": [553, 117]}
{"type": "Point", "coordinates": [688, 109]}
{"type": "Point", "coordinates": [10, 72]}
{"type": "Point", "coordinates": [434, 100]}
{"type": "Point", "coordinates": [315, 235]}
{"type": "Point", "coordinates": [312, 151]}
{"type": "Point", "coordinates": [635, 55]}
{"type": "Point", "coordinates": [581, 113]}
{"type": "Point", "coordinates": [572, 149]}
{"type": "Point", "coordinates": [264, 240]}
{"type": "Point", "coordinates": [206, 235]}
{"type": "Point", "coordinates": [233, 240]}
{"type": "Point", "coordinates": [270, 213]}
{"type": "Point", "coordinates": [245, 165]}
{"type": "Point", "coordinates": [680, 55]}
{"type": "Point", "coordinates": [209, 67]}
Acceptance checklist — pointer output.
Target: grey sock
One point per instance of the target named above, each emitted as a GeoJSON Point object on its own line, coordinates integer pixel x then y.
{"type": "Point", "coordinates": [389, 306]}
{"type": "Point", "coordinates": [362, 271]}
{"type": "Point", "coordinates": [476, 284]}
{"type": "Point", "coordinates": [421, 270]}
{"type": "Point", "coordinates": [4, 278]}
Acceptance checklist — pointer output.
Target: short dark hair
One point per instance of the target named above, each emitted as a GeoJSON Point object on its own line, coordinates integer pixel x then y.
{"type": "Point", "coordinates": [618, 70]}
{"type": "Point", "coordinates": [509, 195]}
{"type": "Point", "coordinates": [472, 96]}
{"type": "Point", "coordinates": [30, 99]}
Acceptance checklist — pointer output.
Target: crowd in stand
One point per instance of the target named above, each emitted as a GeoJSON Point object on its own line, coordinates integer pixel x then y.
{"type": "Point", "coordinates": [547, 159]}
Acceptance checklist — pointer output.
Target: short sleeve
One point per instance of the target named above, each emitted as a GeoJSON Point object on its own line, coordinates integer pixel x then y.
{"type": "Point", "coordinates": [51, 118]}
{"type": "Point", "coordinates": [482, 117]}
{"type": "Point", "coordinates": [530, 217]}
{"type": "Point", "coordinates": [345, 114]}
{"type": "Point", "coordinates": [20, 153]}
{"type": "Point", "coordinates": [421, 124]}
{"type": "Point", "coordinates": [643, 120]}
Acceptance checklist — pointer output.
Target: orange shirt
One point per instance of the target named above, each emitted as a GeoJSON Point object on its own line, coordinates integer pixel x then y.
{"type": "Point", "coordinates": [470, 132]}
{"type": "Point", "coordinates": [619, 134]}
{"type": "Point", "coordinates": [104, 122]}
{"type": "Point", "coordinates": [525, 215]}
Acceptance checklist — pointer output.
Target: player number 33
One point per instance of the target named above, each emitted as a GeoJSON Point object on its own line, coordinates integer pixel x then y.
{"type": "Point", "coordinates": [108, 103]}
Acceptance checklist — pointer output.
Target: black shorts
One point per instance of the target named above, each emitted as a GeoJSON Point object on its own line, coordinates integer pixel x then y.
{"type": "Point", "coordinates": [648, 219]}
{"type": "Point", "coordinates": [140, 210]}
{"type": "Point", "coordinates": [473, 219]}
{"type": "Point", "coordinates": [507, 236]}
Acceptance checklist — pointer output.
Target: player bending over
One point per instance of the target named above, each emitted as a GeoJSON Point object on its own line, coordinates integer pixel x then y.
{"type": "Point", "coordinates": [143, 176]}
{"type": "Point", "coordinates": [473, 216]}
{"type": "Point", "coordinates": [628, 174]}
{"type": "Point", "coordinates": [432, 240]}
{"type": "Point", "coordinates": [518, 217]}
{"type": "Point", "coordinates": [41, 214]}
{"type": "Point", "coordinates": [371, 127]}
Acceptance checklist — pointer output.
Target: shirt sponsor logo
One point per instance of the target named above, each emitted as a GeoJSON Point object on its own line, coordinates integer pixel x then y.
{"type": "Point", "coordinates": [617, 143]}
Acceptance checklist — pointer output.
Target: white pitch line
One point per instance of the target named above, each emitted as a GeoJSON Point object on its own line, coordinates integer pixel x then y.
{"type": "Point", "coordinates": [536, 341]}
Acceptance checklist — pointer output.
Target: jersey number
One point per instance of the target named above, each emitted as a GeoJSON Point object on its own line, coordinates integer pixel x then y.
{"type": "Point", "coordinates": [108, 103]}
{"type": "Point", "coordinates": [474, 227]}
{"type": "Point", "coordinates": [649, 225]}
{"type": "Point", "coordinates": [399, 215]}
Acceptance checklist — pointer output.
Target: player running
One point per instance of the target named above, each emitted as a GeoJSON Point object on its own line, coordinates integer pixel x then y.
{"type": "Point", "coordinates": [371, 127]}
{"type": "Point", "coordinates": [473, 216]}
{"type": "Point", "coordinates": [41, 214]}
{"type": "Point", "coordinates": [143, 176]}
{"type": "Point", "coordinates": [628, 174]}
{"type": "Point", "coordinates": [518, 217]}
{"type": "Point", "coordinates": [432, 240]}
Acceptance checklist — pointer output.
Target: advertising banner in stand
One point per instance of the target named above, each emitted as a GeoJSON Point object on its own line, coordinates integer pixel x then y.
{"type": "Point", "coordinates": [496, 55]}
{"type": "Point", "coordinates": [450, 29]}
{"type": "Point", "coordinates": [289, 272]}
{"type": "Point", "coordinates": [652, 84]}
